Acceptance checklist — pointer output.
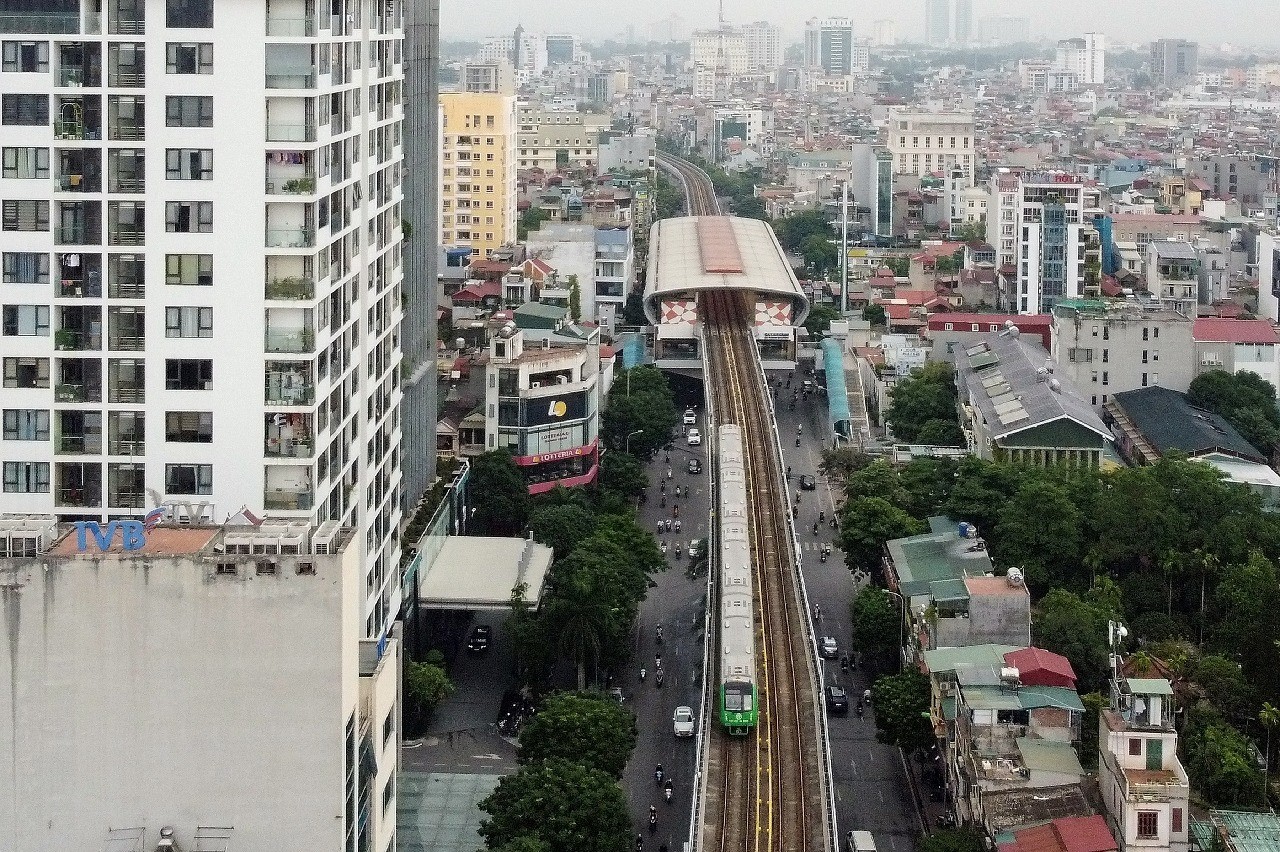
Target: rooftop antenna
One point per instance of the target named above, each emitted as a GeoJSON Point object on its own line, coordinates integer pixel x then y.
{"type": "Point", "coordinates": [722, 13]}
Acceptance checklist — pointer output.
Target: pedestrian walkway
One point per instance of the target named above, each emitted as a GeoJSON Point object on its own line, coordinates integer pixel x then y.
{"type": "Point", "coordinates": [859, 420]}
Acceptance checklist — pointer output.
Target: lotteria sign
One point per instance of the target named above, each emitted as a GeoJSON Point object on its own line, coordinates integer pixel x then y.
{"type": "Point", "coordinates": [133, 534]}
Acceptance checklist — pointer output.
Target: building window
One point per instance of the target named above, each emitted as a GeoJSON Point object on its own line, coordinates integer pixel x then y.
{"type": "Point", "coordinates": [188, 479]}
{"type": "Point", "coordinates": [26, 321]}
{"type": "Point", "coordinates": [1106, 378]}
{"type": "Point", "coordinates": [188, 322]}
{"type": "Point", "coordinates": [1144, 380]}
{"type": "Point", "coordinates": [189, 58]}
{"type": "Point", "coordinates": [188, 217]}
{"type": "Point", "coordinates": [26, 477]}
{"type": "Point", "coordinates": [24, 215]}
{"type": "Point", "coordinates": [26, 372]}
{"type": "Point", "coordinates": [188, 427]}
{"type": "Point", "coordinates": [188, 111]}
{"type": "Point", "coordinates": [1148, 823]}
{"type": "Point", "coordinates": [24, 109]}
{"type": "Point", "coordinates": [26, 163]}
{"type": "Point", "coordinates": [188, 374]}
{"type": "Point", "coordinates": [191, 14]}
{"type": "Point", "coordinates": [30, 57]}
{"type": "Point", "coordinates": [190, 270]}
{"type": "Point", "coordinates": [26, 424]}
{"type": "Point", "coordinates": [24, 267]}
{"type": "Point", "coordinates": [188, 164]}
{"type": "Point", "coordinates": [1175, 822]}
{"type": "Point", "coordinates": [1135, 747]}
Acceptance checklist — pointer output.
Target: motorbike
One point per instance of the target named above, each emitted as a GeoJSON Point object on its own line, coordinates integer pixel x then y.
{"type": "Point", "coordinates": [815, 529]}
{"type": "Point", "coordinates": [658, 678]}
{"type": "Point", "coordinates": [658, 774]}
{"type": "Point", "coordinates": [797, 442]}
{"type": "Point", "coordinates": [677, 526]}
{"type": "Point", "coordinates": [668, 791]}
{"type": "Point", "coordinates": [663, 502]}
{"type": "Point", "coordinates": [659, 634]}
{"type": "Point", "coordinates": [859, 709]}
{"type": "Point", "coordinates": [653, 821]}
{"type": "Point", "coordinates": [643, 674]}
{"type": "Point", "coordinates": [663, 547]}
{"type": "Point", "coordinates": [822, 557]}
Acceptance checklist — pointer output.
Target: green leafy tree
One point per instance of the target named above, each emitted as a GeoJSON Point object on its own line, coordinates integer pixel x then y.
{"type": "Point", "coordinates": [750, 208]}
{"type": "Point", "coordinates": [633, 310]}
{"type": "Point", "coordinates": [500, 496]}
{"type": "Point", "coordinates": [981, 490]}
{"type": "Point", "coordinates": [528, 634]}
{"type": "Point", "coordinates": [562, 804]}
{"type": "Point", "coordinates": [1094, 703]}
{"type": "Point", "coordinates": [875, 315]}
{"type": "Point", "coordinates": [1248, 598]}
{"type": "Point", "coordinates": [820, 255]}
{"type": "Point", "coordinates": [952, 840]}
{"type": "Point", "coordinates": [867, 523]}
{"type": "Point", "coordinates": [928, 394]}
{"type": "Point", "coordinates": [1077, 629]}
{"type": "Point", "coordinates": [900, 266]}
{"type": "Point", "coordinates": [878, 479]}
{"type": "Point", "coordinates": [941, 433]}
{"type": "Point", "coordinates": [1246, 400]}
{"type": "Point", "coordinates": [586, 728]}
{"type": "Point", "coordinates": [624, 474]}
{"type": "Point", "coordinates": [575, 298]}
{"type": "Point", "coordinates": [529, 221]}
{"type": "Point", "coordinates": [877, 628]}
{"type": "Point", "coordinates": [1223, 681]}
{"type": "Point", "coordinates": [579, 610]}
{"type": "Point", "coordinates": [794, 230]}
{"type": "Point", "coordinates": [1040, 532]}
{"type": "Point", "coordinates": [561, 527]}
{"type": "Point", "coordinates": [841, 463]}
{"type": "Point", "coordinates": [901, 704]}
{"type": "Point", "coordinates": [426, 685]}
{"type": "Point", "coordinates": [819, 319]}
{"type": "Point", "coordinates": [1217, 759]}
{"type": "Point", "coordinates": [640, 399]}
{"type": "Point", "coordinates": [523, 844]}
{"type": "Point", "coordinates": [927, 483]}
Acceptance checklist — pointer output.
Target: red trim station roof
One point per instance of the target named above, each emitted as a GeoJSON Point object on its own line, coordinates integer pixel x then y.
{"type": "Point", "coordinates": [718, 246]}
{"type": "Point", "coordinates": [1214, 330]}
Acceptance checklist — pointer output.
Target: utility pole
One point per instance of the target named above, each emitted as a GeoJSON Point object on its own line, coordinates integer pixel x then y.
{"type": "Point", "coordinates": [844, 244]}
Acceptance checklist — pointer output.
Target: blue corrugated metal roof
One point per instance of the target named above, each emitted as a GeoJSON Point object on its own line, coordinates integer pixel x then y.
{"type": "Point", "coordinates": [633, 350]}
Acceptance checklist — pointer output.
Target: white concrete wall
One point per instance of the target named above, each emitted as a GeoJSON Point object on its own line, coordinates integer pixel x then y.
{"type": "Point", "coordinates": [151, 693]}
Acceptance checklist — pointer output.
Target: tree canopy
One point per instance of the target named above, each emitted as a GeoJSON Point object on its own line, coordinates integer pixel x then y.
{"type": "Point", "coordinates": [561, 804]}
{"type": "Point", "coordinates": [639, 401]}
{"type": "Point", "coordinates": [923, 405]}
{"type": "Point", "coordinates": [820, 319]}
{"type": "Point", "coordinates": [877, 628]}
{"type": "Point", "coordinates": [587, 728]}
{"type": "Point", "coordinates": [1245, 400]}
{"type": "Point", "coordinates": [866, 523]}
{"type": "Point", "coordinates": [901, 703]}
{"type": "Point", "coordinates": [505, 506]}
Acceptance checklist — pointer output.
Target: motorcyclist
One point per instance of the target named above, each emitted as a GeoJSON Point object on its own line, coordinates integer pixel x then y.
{"type": "Point", "coordinates": [677, 525]}
{"type": "Point", "coordinates": [822, 517]}
{"type": "Point", "coordinates": [815, 527]}
{"type": "Point", "coordinates": [668, 789]}
{"type": "Point", "coordinates": [659, 662]}
{"type": "Point", "coordinates": [644, 673]}
{"type": "Point", "coordinates": [659, 678]}
{"type": "Point", "coordinates": [658, 774]}
{"type": "Point", "coordinates": [799, 428]}
{"type": "Point", "coordinates": [659, 633]}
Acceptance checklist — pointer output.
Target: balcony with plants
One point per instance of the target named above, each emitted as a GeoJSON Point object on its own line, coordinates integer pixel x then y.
{"type": "Point", "coordinates": [79, 433]}
{"type": "Point", "coordinates": [77, 117]}
{"type": "Point", "coordinates": [79, 275]}
{"type": "Point", "coordinates": [290, 225]}
{"type": "Point", "coordinates": [289, 278]}
{"type": "Point", "coordinates": [290, 330]}
{"type": "Point", "coordinates": [291, 173]}
{"type": "Point", "coordinates": [288, 435]}
{"type": "Point", "coordinates": [79, 328]}
{"type": "Point", "coordinates": [290, 383]}
{"type": "Point", "coordinates": [79, 380]}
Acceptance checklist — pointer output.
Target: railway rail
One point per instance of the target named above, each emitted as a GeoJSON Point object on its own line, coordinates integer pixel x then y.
{"type": "Point", "coordinates": [767, 792]}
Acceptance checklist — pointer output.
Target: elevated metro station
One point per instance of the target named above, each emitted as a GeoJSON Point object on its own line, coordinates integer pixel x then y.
{"type": "Point", "coordinates": [697, 254]}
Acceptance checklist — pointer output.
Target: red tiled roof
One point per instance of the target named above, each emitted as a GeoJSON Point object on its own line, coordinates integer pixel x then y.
{"type": "Point", "coordinates": [607, 352]}
{"type": "Point", "coordinates": [898, 312]}
{"type": "Point", "coordinates": [478, 291]}
{"type": "Point", "coordinates": [1038, 667]}
{"type": "Point", "coordinates": [1066, 834]}
{"type": "Point", "coordinates": [915, 297]}
{"type": "Point", "coordinates": [1234, 331]}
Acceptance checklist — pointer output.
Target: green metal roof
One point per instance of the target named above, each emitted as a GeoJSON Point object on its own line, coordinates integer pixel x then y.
{"type": "Point", "coordinates": [981, 697]}
{"type": "Point", "coordinates": [1249, 832]}
{"type": "Point", "coordinates": [1049, 756]}
{"type": "Point", "coordinates": [1061, 697]}
{"type": "Point", "coordinates": [948, 591]}
{"type": "Point", "coordinates": [1149, 686]}
{"type": "Point", "coordinates": [949, 659]}
{"type": "Point", "coordinates": [921, 560]}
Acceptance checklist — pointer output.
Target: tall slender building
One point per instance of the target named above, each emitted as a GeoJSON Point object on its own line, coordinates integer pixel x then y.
{"type": "Point", "coordinates": [937, 22]}
{"type": "Point", "coordinates": [203, 297]}
{"type": "Point", "coordinates": [962, 32]}
{"type": "Point", "coordinates": [829, 46]}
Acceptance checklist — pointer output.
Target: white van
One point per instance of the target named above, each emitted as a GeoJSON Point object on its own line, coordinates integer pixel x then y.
{"type": "Point", "coordinates": [860, 841]}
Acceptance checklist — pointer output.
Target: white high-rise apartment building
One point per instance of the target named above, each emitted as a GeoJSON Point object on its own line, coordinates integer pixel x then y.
{"type": "Point", "coordinates": [884, 32]}
{"type": "Point", "coordinates": [202, 290]}
{"type": "Point", "coordinates": [719, 58]}
{"type": "Point", "coordinates": [1041, 227]}
{"type": "Point", "coordinates": [1085, 56]}
{"type": "Point", "coordinates": [764, 45]}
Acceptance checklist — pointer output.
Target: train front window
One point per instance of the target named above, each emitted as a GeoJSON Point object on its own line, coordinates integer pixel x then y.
{"type": "Point", "coordinates": [735, 699]}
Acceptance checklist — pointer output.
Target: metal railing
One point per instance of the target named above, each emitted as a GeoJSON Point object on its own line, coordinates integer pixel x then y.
{"type": "Point", "coordinates": [299, 237]}
{"type": "Point", "coordinates": [280, 499]}
{"type": "Point", "coordinates": [301, 340]}
{"type": "Point", "coordinates": [292, 289]}
{"type": "Point", "coordinates": [279, 132]}
{"type": "Point", "coordinates": [291, 27]}
{"type": "Point", "coordinates": [296, 80]}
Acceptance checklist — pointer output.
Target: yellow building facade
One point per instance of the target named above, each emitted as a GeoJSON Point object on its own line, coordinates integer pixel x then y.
{"type": "Point", "coordinates": [477, 170]}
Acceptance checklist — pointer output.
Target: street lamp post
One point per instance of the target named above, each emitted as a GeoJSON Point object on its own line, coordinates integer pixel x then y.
{"type": "Point", "coordinates": [626, 442]}
{"type": "Point", "coordinates": [902, 624]}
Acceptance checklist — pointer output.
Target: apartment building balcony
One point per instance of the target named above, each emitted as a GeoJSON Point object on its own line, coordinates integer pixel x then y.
{"type": "Point", "coordinates": [78, 433]}
{"type": "Point", "coordinates": [288, 435]}
{"type": "Point", "coordinates": [79, 380]}
{"type": "Point", "coordinates": [126, 329]}
{"type": "Point", "coordinates": [291, 131]}
{"type": "Point", "coordinates": [290, 289]}
{"type": "Point", "coordinates": [79, 223]}
{"type": "Point", "coordinates": [288, 488]}
{"type": "Point", "coordinates": [126, 435]}
{"type": "Point", "coordinates": [79, 64]}
{"type": "Point", "coordinates": [297, 341]}
{"type": "Point", "coordinates": [292, 19]}
{"type": "Point", "coordinates": [126, 382]}
{"type": "Point", "coordinates": [290, 383]}
{"type": "Point", "coordinates": [77, 117]}
{"type": "Point", "coordinates": [290, 225]}
{"type": "Point", "coordinates": [79, 328]}
{"type": "Point", "coordinates": [291, 173]}
{"type": "Point", "coordinates": [79, 275]}
{"type": "Point", "coordinates": [78, 484]}
{"type": "Point", "coordinates": [291, 78]}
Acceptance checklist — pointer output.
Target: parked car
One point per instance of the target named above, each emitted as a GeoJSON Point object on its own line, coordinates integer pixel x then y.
{"type": "Point", "coordinates": [695, 466]}
{"type": "Point", "coordinates": [694, 438]}
{"type": "Point", "coordinates": [615, 692]}
{"type": "Point", "coordinates": [828, 647]}
{"type": "Point", "coordinates": [480, 638]}
{"type": "Point", "coordinates": [682, 721]}
{"type": "Point", "coordinates": [695, 548]}
{"type": "Point", "coordinates": [690, 417]}
{"type": "Point", "coordinates": [837, 700]}
{"type": "Point", "coordinates": [808, 483]}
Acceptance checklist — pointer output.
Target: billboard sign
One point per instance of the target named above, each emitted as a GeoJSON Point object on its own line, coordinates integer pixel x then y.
{"type": "Point", "coordinates": [558, 408]}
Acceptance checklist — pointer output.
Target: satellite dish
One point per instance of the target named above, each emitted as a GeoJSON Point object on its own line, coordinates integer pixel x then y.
{"type": "Point", "coordinates": [461, 343]}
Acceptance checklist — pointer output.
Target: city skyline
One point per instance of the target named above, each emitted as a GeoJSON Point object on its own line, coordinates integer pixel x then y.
{"type": "Point", "coordinates": [1226, 21]}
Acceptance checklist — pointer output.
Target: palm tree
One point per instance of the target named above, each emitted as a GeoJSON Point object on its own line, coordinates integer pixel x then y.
{"type": "Point", "coordinates": [1269, 716]}
{"type": "Point", "coordinates": [582, 618]}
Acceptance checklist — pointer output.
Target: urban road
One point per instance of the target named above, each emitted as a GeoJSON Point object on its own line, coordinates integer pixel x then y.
{"type": "Point", "coordinates": [872, 789]}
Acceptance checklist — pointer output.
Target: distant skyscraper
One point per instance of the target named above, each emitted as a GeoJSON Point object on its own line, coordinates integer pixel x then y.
{"type": "Point", "coordinates": [828, 46]}
{"type": "Point", "coordinates": [1004, 29]}
{"type": "Point", "coordinates": [884, 32]}
{"type": "Point", "coordinates": [1174, 61]}
{"type": "Point", "coordinates": [764, 45]}
{"type": "Point", "coordinates": [937, 21]}
{"type": "Point", "coordinates": [963, 33]}
{"type": "Point", "coordinates": [561, 49]}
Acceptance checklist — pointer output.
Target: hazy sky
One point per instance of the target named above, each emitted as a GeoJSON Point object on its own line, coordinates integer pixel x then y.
{"type": "Point", "coordinates": [1235, 21]}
